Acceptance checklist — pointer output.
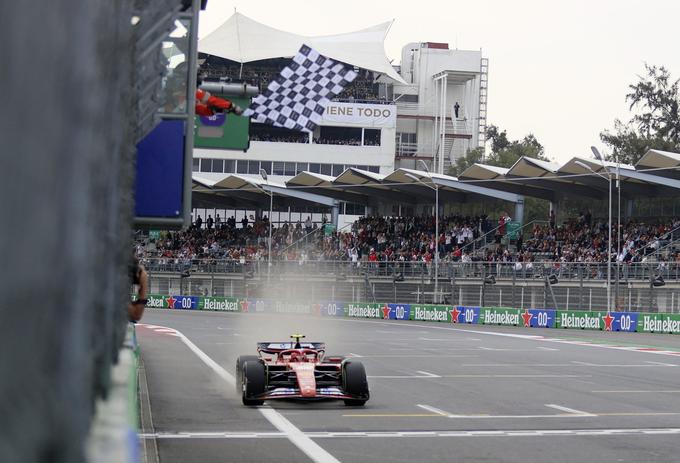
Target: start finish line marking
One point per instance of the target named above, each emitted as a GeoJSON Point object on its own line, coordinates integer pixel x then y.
{"type": "Point", "coordinates": [346, 435]}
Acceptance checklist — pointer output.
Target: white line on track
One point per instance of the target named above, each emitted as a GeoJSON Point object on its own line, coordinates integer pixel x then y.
{"type": "Point", "coordinates": [355, 355]}
{"type": "Point", "coordinates": [661, 363]}
{"type": "Point", "coordinates": [427, 373]}
{"type": "Point", "coordinates": [432, 409]}
{"type": "Point", "coordinates": [529, 337]}
{"type": "Point", "coordinates": [569, 410]}
{"type": "Point", "coordinates": [294, 434]}
{"type": "Point", "coordinates": [357, 434]}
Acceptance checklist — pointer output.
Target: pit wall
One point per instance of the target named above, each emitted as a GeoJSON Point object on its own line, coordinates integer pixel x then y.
{"type": "Point", "coordinates": [533, 318]}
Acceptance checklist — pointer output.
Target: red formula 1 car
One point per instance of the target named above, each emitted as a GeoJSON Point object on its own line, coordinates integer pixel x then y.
{"type": "Point", "coordinates": [299, 370]}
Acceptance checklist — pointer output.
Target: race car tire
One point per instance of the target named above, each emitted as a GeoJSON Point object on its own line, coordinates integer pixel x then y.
{"type": "Point", "coordinates": [354, 382]}
{"type": "Point", "coordinates": [254, 382]}
{"type": "Point", "coordinates": [240, 361]}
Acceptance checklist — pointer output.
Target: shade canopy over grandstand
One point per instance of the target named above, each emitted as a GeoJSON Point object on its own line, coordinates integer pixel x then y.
{"type": "Point", "coordinates": [353, 185]}
{"type": "Point", "coordinates": [582, 177]}
{"type": "Point", "coordinates": [218, 190]}
{"type": "Point", "coordinates": [243, 40]}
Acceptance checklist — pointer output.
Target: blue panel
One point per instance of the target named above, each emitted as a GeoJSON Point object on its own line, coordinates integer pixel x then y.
{"type": "Point", "coordinates": [160, 172]}
{"type": "Point", "coordinates": [183, 302]}
{"type": "Point", "coordinates": [466, 314]}
{"type": "Point", "coordinates": [330, 309]}
{"type": "Point", "coordinates": [623, 321]}
{"type": "Point", "coordinates": [539, 318]}
{"type": "Point", "coordinates": [397, 311]}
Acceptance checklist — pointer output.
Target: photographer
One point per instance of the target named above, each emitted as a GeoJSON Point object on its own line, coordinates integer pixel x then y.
{"type": "Point", "coordinates": [139, 278]}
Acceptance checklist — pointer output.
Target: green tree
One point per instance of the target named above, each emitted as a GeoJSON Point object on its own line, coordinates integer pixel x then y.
{"type": "Point", "coordinates": [655, 123]}
{"type": "Point", "coordinates": [504, 153]}
{"type": "Point", "coordinates": [470, 158]}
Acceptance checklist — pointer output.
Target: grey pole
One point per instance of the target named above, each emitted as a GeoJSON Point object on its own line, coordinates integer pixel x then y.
{"type": "Point", "coordinates": [436, 243]}
{"type": "Point", "coordinates": [618, 229]}
{"type": "Point", "coordinates": [263, 174]}
{"type": "Point", "coordinates": [599, 157]}
{"type": "Point", "coordinates": [609, 247]}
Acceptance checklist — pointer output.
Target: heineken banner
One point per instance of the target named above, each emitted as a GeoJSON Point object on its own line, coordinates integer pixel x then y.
{"type": "Point", "coordinates": [330, 309]}
{"type": "Point", "coordinates": [157, 301]}
{"type": "Point", "coordinates": [533, 318]}
{"type": "Point", "coordinates": [366, 310]}
{"type": "Point", "coordinates": [430, 313]}
{"type": "Point", "coordinates": [621, 321]}
{"type": "Point", "coordinates": [228, 304]}
{"type": "Point", "coordinates": [464, 314]}
{"type": "Point", "coordinates": [292, 307]}
{"type": "Point", "coordinates": [182, 302]}
{"type": "Point", "coordinates": [539, 318]}
{"type": "Point", "coordinates": [397, 311]}
{"type": "Point", "coordinates": [500, 316]}
{"type": "Point", "coordinates": [658, 323]}
{"type": "Point", "coordinates": [579, 319]}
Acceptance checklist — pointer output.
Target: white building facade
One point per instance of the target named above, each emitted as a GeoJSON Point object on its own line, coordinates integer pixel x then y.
{"type": "Point", "coordinates": [410, 116]}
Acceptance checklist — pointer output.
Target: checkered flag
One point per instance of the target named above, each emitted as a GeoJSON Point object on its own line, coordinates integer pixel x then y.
{"type": "Point", "coordinates": [298, 97]}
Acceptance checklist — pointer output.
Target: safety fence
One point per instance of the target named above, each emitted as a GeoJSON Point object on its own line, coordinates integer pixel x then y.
{"type": "Point", "coordinates": [573, 271]}
{"type": "Point", "coordinates": [537, 317]}
{"type": "Point", "coordinates": [631, 295]}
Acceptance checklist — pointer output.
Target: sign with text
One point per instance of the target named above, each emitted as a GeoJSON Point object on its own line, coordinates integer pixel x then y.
{"type": "Point", "coordinates": [366, 115]}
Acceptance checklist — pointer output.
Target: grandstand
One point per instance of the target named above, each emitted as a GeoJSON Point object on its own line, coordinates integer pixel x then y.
{"type": "Point", "coordinates": [389, 252]}
{"type": "Point", "coordinates": [416, 123]}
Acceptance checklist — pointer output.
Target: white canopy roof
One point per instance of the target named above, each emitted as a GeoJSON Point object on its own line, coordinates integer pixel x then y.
{"type": "Point", "coordinates": [243, 40]}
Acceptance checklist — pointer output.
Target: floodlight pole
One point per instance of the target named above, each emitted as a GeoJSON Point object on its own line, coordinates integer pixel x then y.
{"type": "Point", "coordinates": [263, 174]}
{"type": "Point", "coordinates": [435, 187]}
{"type": "Point", "coordinates": [599, 157]}
{"type": "Point", "coordinates": [618, 228]}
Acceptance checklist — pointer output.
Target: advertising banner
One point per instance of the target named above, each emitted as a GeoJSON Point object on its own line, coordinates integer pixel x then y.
{"type": "Point", "coordinates": [658, 323]}
{"type": "Point", "coordinates": [397, 311]}
{"type": "Point", "coordinates": [225, 304]}
{"type": "Point", "coordinates": [304, 308]}
{"type": "Point", "coordinates": [366, 115]}
{"type": "Point", "coordinates": [465, 314]}
{"type": "Point", "coordinates": [538, 318]}
{"type": "Point", "coordinates": [580, 319]}
{"type": "Point", "coordinates": [157, 301]}
{"type": "Point", "coordinates": [430, 313]}
{"type": "Point", "coordinates": [256, 305]}
{"type": "Point", "coordinates": [183, 302]}
{"type": "Point", "coordinates": [366, 310]}
{"type": "Point", "coordinates": [330, 309]}
{"type": "Point", "coordinates": [621, 321]}
{"type": "Point", "coordinates": [224, 131]}
{"type": "Point", "coordinates": [500, 316]}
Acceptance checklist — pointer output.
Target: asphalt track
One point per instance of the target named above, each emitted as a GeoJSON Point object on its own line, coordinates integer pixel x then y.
{"type": "Point", "coordinates": [439, 392]}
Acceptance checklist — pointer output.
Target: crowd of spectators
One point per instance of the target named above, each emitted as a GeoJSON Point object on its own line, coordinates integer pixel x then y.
{"type": "Point", "coordinates": [362, 89]}
{"type": "Point", "coordinates": [413, 239]}
{"type": "Point", "coordinates": [370, 238]}
{"type": "Point", "coordinates": [296, 137]}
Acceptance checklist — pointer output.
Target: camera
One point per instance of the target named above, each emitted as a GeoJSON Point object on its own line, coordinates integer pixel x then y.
{"type": "Point", "coordinates": [134, 271]}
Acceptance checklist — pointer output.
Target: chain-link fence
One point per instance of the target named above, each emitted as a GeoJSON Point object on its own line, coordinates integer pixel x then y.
{"type": "Point", "coordinates": [575, 287]}
{"type": "Point", "coordinates": [68, 125]}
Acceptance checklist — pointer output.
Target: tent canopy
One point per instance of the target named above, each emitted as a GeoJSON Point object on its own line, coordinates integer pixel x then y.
{"type": "Point", "coordinates": [243, 40]}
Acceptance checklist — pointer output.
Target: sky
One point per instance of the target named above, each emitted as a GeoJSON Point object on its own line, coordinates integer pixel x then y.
{"type": "Point", "coordinates": [557, 69]}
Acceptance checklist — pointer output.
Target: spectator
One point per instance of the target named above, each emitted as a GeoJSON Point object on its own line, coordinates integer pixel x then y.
{"type": "Point", "coordinates": [140, 279]}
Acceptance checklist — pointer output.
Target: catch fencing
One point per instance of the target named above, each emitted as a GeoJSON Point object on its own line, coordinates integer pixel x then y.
{"type": "Point", "coordinates": [634, 287]}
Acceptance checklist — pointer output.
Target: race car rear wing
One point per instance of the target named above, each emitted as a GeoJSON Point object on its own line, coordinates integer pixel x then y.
{"type": "Point", "coordinates": [276, 347]}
